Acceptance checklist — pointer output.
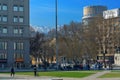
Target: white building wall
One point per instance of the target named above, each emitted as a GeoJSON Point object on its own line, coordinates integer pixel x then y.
{"type": "Point", "coordinates": [117, 59]}
{"type": "Point", "coordinates": [111, 13]}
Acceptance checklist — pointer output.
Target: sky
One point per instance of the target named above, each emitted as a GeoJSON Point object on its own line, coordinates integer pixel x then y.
{"type": "Point", "coordinates": [42, 12]}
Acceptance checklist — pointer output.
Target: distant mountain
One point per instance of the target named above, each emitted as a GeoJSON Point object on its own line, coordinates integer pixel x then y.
{"type": "Point", "coordinates": [44, 29]}
{"type": "Point", "coordinates": [41, 29]}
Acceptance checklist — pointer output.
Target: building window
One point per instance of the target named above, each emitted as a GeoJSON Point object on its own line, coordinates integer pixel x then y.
{"type": "Point", "coordinates": [4, 18]}
{"type": "Point", "coordinates": [15, 31]}
{"type": "Point", "coordinates": [0, 7]}
{"type": "Point", "coordinates": [18, 45]}
{"type": "Point", "coordinates": [18, 31]}
{"type": "Point", "coordinates": [21, 8]}
{"type": "Point", "coordinates": [3, 45]}
{"type": "Point", "coordinates": [18, 55]}
{"type": "Point", "coordinates": [3, 56]}
{"type": "Point", "coordinates": [15, 19]}
{"type": "Point", "coordinates": [21, 31]}
{"type": "Point", "coordinates": [15, 8]}
{"type": "Point", "coordinates": [0, 18]}
{"type": "Point", "coordinates": [21, 19]}
{"type": "Point", "coordinates": [3, 30]}
{"type": "Point", "coordinates": [4, 7]}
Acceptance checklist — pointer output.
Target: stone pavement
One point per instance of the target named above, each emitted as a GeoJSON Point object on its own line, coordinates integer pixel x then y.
{"type": "Point", "coordinates": [25, 77]}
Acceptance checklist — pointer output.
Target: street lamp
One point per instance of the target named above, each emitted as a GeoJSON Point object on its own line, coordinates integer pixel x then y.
{"type": "Point", "coordinates": [56, 22]}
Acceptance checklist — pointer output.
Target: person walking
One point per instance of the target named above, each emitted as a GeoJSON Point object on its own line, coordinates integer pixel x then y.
{"type": "Point", "coordinates": [12, 72]}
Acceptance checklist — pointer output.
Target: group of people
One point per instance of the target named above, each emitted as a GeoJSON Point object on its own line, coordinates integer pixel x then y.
{"type": "Point", "coordinates": [13, 72]}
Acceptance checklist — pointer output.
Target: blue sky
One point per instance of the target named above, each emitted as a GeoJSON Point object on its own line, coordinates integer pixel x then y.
{"type": "Point", "coordinates": [42, 12]}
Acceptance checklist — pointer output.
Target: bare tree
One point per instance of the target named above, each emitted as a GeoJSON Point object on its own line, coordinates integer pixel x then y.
{"type": "Point", "coordinates": [36, 44]}
{"type": "Point", "coordinates": [70, 37]}
{"type": "Point", "coordinates": [105, 34]}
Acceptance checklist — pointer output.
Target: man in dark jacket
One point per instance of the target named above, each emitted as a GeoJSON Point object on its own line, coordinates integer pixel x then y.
{"type": "Point", "coordinates": [35, 71]}
{"type": "Point", "coordinates": [12, 72]}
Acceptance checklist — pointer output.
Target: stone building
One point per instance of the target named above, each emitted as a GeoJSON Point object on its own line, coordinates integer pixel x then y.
{"type": "Point", "coordinates": [14, 33]}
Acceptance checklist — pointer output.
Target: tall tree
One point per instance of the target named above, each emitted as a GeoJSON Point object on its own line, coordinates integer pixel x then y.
{"type": "Point", "coordinates": [70, 37]}
{"type": "Point", "coordinates": [36, 44]}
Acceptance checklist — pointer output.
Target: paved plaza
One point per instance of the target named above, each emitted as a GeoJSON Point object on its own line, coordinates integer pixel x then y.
{"type": "Point", "coordinates": [25, 77]}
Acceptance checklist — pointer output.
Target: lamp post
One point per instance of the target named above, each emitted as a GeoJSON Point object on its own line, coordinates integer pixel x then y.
{"type": "Point", "coordinates": [56, 22]}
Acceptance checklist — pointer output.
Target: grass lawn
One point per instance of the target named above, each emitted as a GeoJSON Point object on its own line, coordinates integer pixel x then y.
{"type": "Point", "coordinates": [115, 71]}
{"type": "Point", "coordinates": [112, 74]}
{"type": "Point", "coordinates": [72, 74]}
